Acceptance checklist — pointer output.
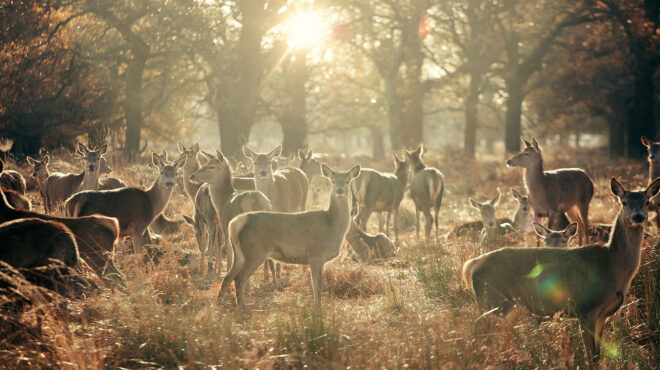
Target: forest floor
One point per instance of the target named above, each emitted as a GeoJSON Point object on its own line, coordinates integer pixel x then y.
{"type": "Point", "coordinates": [409, 311]}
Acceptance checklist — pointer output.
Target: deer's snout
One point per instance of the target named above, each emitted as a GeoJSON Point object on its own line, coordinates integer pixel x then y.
{"type": "Point", "coordinates": [491, 224]}
{"type": "Point", "coordinates": [169, 184]}
{"type": "Point", "coordinates": [92, 168]}
{"type": "Point", "coordinates": [192, 178]}
{"type": "Point", "coordinates": [509, 163]}
{"type": "Point", "coordinates": [340, 191]}
{"type": "Point", "coordinates": [263, 173]}
{"type": "Point", "coordinates": [638, 218]}
{"type": "Point", "coordinates": [34, 174]}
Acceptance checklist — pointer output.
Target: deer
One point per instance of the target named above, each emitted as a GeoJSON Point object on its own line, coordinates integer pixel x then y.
{"type": "Point", "coordinates": [555, 239]}
{"type": "Point", "coordinates": [107, 182]}
{"type": "Point", "coordinates": [552, 193]}
{"type": "Point", "coordinates": [426, 189]}
{"type": "Point", "coordinates": [56, 187]}
{"type": "Point", "coordinates": [95, 236]}
{"type": "Point", "coordinates": [309, 165]}
{"type": "Point", "coordinates": [367, 246]}
{"type": "Point", "coordinates": [521, 217]}
{"type": "Point", "coordinates": [492, 231]}
{"type": "Point", "coordinates": [134, 208]}
{"type": "Point", "coordinates": [17, 200]}
{"type": "Point", "coordinates": [590, 282]}
{"type": "Point", "coordinates": [192, 165]}
{"type": "Point", "coordinates": [380, 192]}
{"type": "Point", "coordinates": [653, 147]}
{"type": "Point", "coordinates": [226, 200]}
{"type": "Point", "coordinates": [304, 238]}
{"type": "Point", "coordinates": [205, 224]}
{"type": "Point", "coordinates": [11, 180]}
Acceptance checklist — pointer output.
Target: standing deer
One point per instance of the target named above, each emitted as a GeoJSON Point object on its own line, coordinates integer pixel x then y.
{"type": "Point", "coordinates": [305, 238]}
{"type": "Point", "coordinates": [192, 165]}
{"type": "Point", "coordinates": [492, 230]}
{"type": "Point", "coordinates": [134, 208]}
{"type": "Point", "coordinates": [309, 165]}
{"type": "Point", "coordinates": [380, 192]}
{"type": "Point", "coordinates": [653, 148]}
{"type": "Point", "coordinates": [556, 239]}
{"type": "Point", "coordinates": [95, 235]}
{"type": "Point", "coordinates": [426, 189]}
{"type": "Point", "coordinates": [11, 180]}
{"type": "Point", "coordinates": [521, 217]}
{"type": "Point", "coordinates": [204, 222]}
{"type": "Point", "coordinates": [227, 201]}
{"type": "Point", "coordinates": [588, 282]}
{"type": "Point", "coordinates": [367, 246]}
{"type": "Point", "coordinates": [551, 193]}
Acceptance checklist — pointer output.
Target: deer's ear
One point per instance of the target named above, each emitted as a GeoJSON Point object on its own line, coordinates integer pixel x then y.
{"type": "Point", "coordinates": [571, 230]}
{"type": "Point", "coordinates": [475, 204]}
{"type": "Point", "coordinates": [156, 160]}
{"type": "Point", "coordinates": [181, 147]}
{"type": "Point", "coordinates": [30, 161]}
{"type": "Point", "coordinates": [653, 188]}
{"type": "Point", "coordinates": [495, 201]}
{"type": "Point", "coordinates": [527, 143]}
{"type": "Point", "coordinates": [275, 152]}
{"type": "Point", "coordinates": [82, 149]}
{"type": "Point", "coordinates": [327, 171]}
{"type": "Point", "coordinates": [46, 159]}
{"type": "Point", "coordinates": [219, 155]}
{"type": "Point", "coordinates": [103, 149]}
{"type": "Point", "coordinates": [618, 190]}
{"type": "Point", "coordinates": [249, 153]}
{"type": "Point", "coordinates": [535, 144]}
{"type": "Point", "coordinates": [646, 141]}
{"type": "Point", "coordinates": [195, 147]}
{"type": "Point", "coordinates": [179, 163]}
{"type": "Point", "coordinates": [541, 230]}
{"type": "Point", "coordinates": [355, 171]}
{"type": "Point", "coordinates": [301, 154]}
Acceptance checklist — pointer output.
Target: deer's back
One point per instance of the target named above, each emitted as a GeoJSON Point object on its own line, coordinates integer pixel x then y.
{"type": "Point", "coordinates": [562, 189]}
{"type": "Point", "coordinates": [380, 190]}
{"type": "Point", "coordinates": [109, 183]}
{"type": "Point", "coordinates": [249, 201]}
{"type": "Point", "coordinates": [130, 206]}
{"type": "Point", "coordinates": [31, 242]}
{"type": "Point", "coordinates": [13, 180]}
{"type": "Point", "coordinates": [289, 193]}
{"type": "Point", "coordinates": [60, 186]}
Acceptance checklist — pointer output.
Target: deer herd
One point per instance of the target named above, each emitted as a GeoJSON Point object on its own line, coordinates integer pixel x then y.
{"type": "Point", "coordinates": [262, 218]}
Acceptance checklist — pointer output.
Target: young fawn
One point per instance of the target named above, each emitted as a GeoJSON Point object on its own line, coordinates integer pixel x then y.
{"type": "Point", "coordinates": [589, 282]}
{"type": "Point", "coordinates": [492, 230]}
{"type": "Point", "coordinates": [367, 246]}
{"type": "Point", "coordinates": [305, 238]}
{"type": "Point", "coordinates": [555, 239]}
{"type": "Point", "coordinates": [227, 201]}
{"type": "Point", "coordinates": [380, 192]}
{"type": "Point", "coordinates": [551, 193]}
{"type": "Point", "coordinates": [134, 208]}
{"type": "Point", "coordinates": [95, 235]}
{"type": "Point", "coordinates": [426, 189]}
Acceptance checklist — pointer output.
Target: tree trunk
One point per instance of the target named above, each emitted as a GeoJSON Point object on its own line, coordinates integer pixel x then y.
{"type": "Point", "coordinates": [133, 102]}
{"type": "Point", "coordinates": [471, 118]}
{"type": "Point", "coordinates": [513, 113]}
{"type": "Point", "coordinates": [294, 131]}
{"type": "Point", "coordinates": [641, 114]}
{"type": "Point", "coordinates": [294, 123]}
{"type": "Point", "coordinates": [393, 112]}
{"type": "Point", "coordinates": [378, 147]}
{"type": "Point", "coordinates": [616, 139]}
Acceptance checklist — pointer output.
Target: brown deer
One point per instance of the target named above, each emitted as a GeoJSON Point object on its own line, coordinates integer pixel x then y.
{"type": "Point", "coordinates": [380, 192]}
{"type": "Point", "coordinates": [493, 231]}
{"type": "Point", "coordinates": [206, 224]}
{"type": "Point", "coordinates": [426, 189]}
{"type": "Point", "coordinates": [95, 235]}
{"type": "Point", "coordinates": [17, 200]}
{"type": "Point", "coordinates": [552, 193]}
{"type": "Point", "coordinates": [227, 201]}
{"type": "Point", "coordinates": [521, 217]}
{"type": "Point", "coordinates": [367, 246]}
{"type": "Point", "coordinates": [555, 239]}
{"type": "Point", "coordinates": [192, 165]}
{"type": "Point", "coordinates": [588, 282]}
{"type": "Point", "coordinates": [108, 182]}
{"type": "Point", "coordinates": [11, 180]}
{"type": "Point", "coordinates": [653, 148]}
{"type": "Point", "coordinates": [309, 165]}
{"type": "Point", "coordinates": [135, 208]}
{"type": "Point", "coordinates": [304, 238]}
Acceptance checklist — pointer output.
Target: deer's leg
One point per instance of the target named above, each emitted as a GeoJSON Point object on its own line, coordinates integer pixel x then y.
{"type": "Point", "coordinates": [588, 328]}
{"type": "Point", "coordinates": [136, 238]}
{"type": "Point", "coordinates": [317, 282]}
{"type": "Point", "coordinates": [366, 213]}
{"type": "Point", "coordinates": [584, 216]}
{"type": "Point", "coordinates": [242, 280]}
{"type": "Point", "coordinates": [437, 220]}
{"type": "Point", "coordinates": [429, 223]}
{"type": "Point", "coordinates": [388, 216]}
{"type": "Point", "coordinates": [380, 222]}
{"type": "Point", "coordinates": [202, 236]}
{"type": "Point", "coordinates": [395, 216]}
{"type": "Point", "coordinates": [235, 268]}
{"type": "Point", "coordinates": [417, 220]}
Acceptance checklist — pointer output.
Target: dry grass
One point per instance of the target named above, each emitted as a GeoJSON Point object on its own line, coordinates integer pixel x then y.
{"type": "Point", "coordinates": [411, 311]}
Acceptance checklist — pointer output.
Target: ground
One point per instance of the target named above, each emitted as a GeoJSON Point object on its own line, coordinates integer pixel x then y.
{"type": "Point", "coordinates": [410, 311]}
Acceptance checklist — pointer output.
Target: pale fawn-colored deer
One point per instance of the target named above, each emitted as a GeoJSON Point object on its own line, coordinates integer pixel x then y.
{"type": "Point", "coordinates": [134, 208]}
{"type": "Point", "coordinates": [426, 189]}
{"type": "Point", "coordinates": [380, 192]}
{"type": "Point", "coordinates": [555, 239]}
{"type": "Point", "coordinates": [493, 232]}
{"type": "Point", "coordinates": [227, 201]}
{"type": "Point", "coordinates": [589, 282]}
{"type": "Point", "coordinates": [304, 238]}
{"type": "Point", "coordinates": [95, 235]}
{"type": "Point", "coordinates": [368, 247]}
{"type": "Point", "coordinates": [552, 193]}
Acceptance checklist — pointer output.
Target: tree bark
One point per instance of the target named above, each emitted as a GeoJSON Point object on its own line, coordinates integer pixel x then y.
{"type": "Point", "coordinates": [294, 122]}
{"type": "Point", "coordinates": [641, 111]}
{"type": "Point", "coordinates": [616, 139]}
{"type": "Point", "coordinates": [471, 117]}
{"type": "Point", "coordinates": [378, 147]}
{"type": "Point", "coordinates": [513, 113]}
{"type": "Point", "coordinates": [133, 102]}
{"type": "Point", "coordinates": [393, 111]}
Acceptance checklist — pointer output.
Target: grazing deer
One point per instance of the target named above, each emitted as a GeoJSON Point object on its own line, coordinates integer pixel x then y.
{"type": "Point", "coordinates": [367, 246]}
{"type": "Point", "coordinates": [11, 180]}
{"type": "Point", "coordinates": [206, 224]}
{"type": "Point", "coordinates": [192, 165]}
{"type": "Point", "coordinates": [552, 193]}
{"type": "Point", "coordinates": [380, 192]}
{"type": "Point", "coordinates": [492, 230]}
{"type": "Point", "coordinates": [305, 238]}
{"type": "Point", "coordinates": [426, 189]}
{"type": "Point", "coordinates": [521, 217]}
{"type": "Point", "coordinates": [653, 148]}
{"type": "Point", "coordinates": [57, 187]}
{"type": "Point", "coordinates": [227, 201]}
{"type": "Point", "coordinates": [17, 200]}
{"type": "Point", "coordinates": [587, 282]}
{"type": "Point", "coordinates": [32, 242]}
{"type": "Point", "coordinates": [555, 239]}
{"type": "Point", "coordinates": [95, 235]}
{"type": "Point", "coordinates": [135, 208]}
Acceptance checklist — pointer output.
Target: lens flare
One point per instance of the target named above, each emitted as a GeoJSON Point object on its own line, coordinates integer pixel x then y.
{"type": "Point", "coordinates": [549, 285]}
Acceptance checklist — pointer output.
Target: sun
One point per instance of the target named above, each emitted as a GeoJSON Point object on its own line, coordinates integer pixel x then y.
{"type": "Point", "coordinates": [305, 30]}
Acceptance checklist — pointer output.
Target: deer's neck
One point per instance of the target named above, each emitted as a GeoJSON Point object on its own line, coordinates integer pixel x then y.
{"type": "Point", "coordinates": [418, 166]}
{"type": "Point", "coordinates": [78, 180]}
{"type": "Point", "coordinates": [520, 218]}
{"type": "Point", "coordinates": [339, 214]}
{"type": "Point", "coordinates": [158, 195]}
{"type": "Point", "coordinates": [624, 249]}
{"type": "Point", "coordinates": [402, 178]}
{"type": "Point", "coordinates": [221, 192]}
{"type": "Point", "coordinates": [264, 184]}
{"type": "Point", "coordinates": [90, 181]}
{"type": "Point", "coordinates": [654, 170]}
{"type": "Point", "coordinates": [192, 165]}
{"type": "Point", "coordinates": [535, 180]}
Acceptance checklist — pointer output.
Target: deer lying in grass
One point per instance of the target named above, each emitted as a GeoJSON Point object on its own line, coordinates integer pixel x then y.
{"type": "Point", "coordinates": [552, 193]}
{"type": "Point", "coordinates": [192, 165]}
{"type": "Point", "coordinates": [426, 189]}
{"type": "Point", "coordinates": [11, 180]}
{"type": "Point", "coordinates": [555, 239]}
{"type": "Point", "coordinates": [32, 242]}
{"type": "Point", "coordinates": [653, 148]}
{"type": "Point", "coordinates": [227, 201]}
{"type": "Point", "coordinates": [588, 282]}
{"type": "Point", "coordinates": [205, 223]}
{"type": "Point", "coordinates": [134, 208]}
{"type": "Point", "coordinates": [380, 192]}
{"type": "Point", "coordinates": [95, 235]}
{"type": "Point", "coordinates": [492, 231]}
{"type": "Point", "coordinates": [367, 246]}
{"type": "Point", "coordinates": [305, 238]}
{"type": "Point", "coordinates": [107, 182]}
{"type": "Point", "coordinates": [521, 217]}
